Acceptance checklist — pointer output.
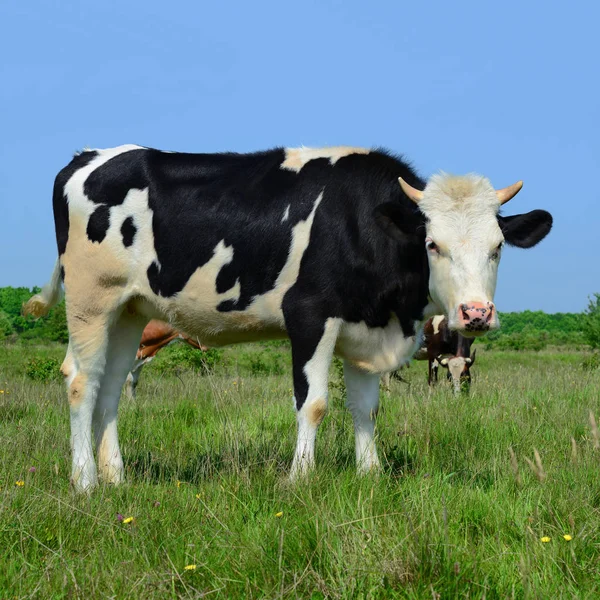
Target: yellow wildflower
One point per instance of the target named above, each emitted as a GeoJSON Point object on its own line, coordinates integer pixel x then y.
{"type": "Point", "coordinates": [189, 568]}
{"type": "Point", "coordinates": [567, 537]}
{"type": "Point", "coordinates": [198, 496]}
{"type": "Point", "coordinates": [128, 520]}
{"type": "Point", "coordinates": [545, 539]}
{"type": "Point", "coordinates": [279, 514]}
{"type": "Point", "coordinates": [1, 391]}
{"type": "Point", "coordinates": [179, 484]}
{"type": "Point", "coordinates": [20, 483]}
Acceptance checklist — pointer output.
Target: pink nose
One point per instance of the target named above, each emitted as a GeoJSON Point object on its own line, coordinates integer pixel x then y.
{"type": "Point", "coordinates": [476, 316]}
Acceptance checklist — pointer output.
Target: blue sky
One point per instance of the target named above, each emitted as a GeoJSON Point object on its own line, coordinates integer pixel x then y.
{"type": "Point", "coordinates": [509, 89]}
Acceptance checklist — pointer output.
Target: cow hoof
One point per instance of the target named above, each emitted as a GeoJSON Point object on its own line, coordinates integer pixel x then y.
{"type": "Point", "coordinates": [83, 484]}
{"type": "Point", "coordinates": [368, 469]}
{"type": "Point", "coordinates": [113, 475]}
{"type": "Point", "coordinates": [300, 471]}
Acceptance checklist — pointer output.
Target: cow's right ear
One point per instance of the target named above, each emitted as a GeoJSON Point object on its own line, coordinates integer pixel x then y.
{"type": "Point", "coordinates": [444, 362]}
{"type": "Point", "coordinates": [526, 230]}
{"type": "Point", "coordinates": [400, 222]}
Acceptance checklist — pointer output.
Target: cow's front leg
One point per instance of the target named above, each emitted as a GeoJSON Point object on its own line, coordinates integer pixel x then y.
{"type": "Point", "coordinates": [435, 367]}
{"type": "Point", "coordinates": [134, 376]}
{"type": "Point", "coordinates": [433, 371]}
{"type": "Point", "coordinates": [362, 391]}
{"type": "Point", "coordinates": [312, 350]}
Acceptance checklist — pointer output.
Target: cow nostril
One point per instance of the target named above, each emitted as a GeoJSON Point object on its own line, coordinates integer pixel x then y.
{"type": "Point", "coordinates": [465, 312]}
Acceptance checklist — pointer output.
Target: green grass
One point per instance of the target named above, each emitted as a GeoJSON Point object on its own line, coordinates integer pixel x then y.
{"type": "Point", "coordinates": [207, 460]}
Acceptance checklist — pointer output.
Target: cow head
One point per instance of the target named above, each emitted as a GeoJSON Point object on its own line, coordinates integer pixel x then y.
{"type": "Point", "coordinates": [464, 236]}
{"type": "Point", "coordinates": [459, 371]}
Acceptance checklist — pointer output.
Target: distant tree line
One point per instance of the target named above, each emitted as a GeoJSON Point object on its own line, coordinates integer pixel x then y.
{"type": "Point", "coordinates": [527, 330]}
{"type": "Point", "coordinates": [536, 330]}
{"type": "Point", "coordinates": [13, 326]}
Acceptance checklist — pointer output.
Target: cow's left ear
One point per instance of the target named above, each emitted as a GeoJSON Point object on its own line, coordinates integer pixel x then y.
{"type": "Point", "coordinates": [526, 230]}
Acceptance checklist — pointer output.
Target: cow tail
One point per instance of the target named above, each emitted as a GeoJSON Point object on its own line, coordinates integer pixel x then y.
{"type": "Point", "coordinates": [51, 294]}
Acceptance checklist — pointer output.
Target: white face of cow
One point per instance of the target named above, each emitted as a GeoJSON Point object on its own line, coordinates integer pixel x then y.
{"type": "Point", "coordinates": [464, 239]}
{"type": "Point", "coordinates": [463, 243]}
{"type": "Point", "coordinates": [457, 367]}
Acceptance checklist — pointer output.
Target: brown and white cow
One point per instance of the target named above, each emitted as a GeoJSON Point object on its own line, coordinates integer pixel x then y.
{"type": "Point", "coordinates": [441, 346]}
{"type": "Point", "coordinates": [342, 250]}
{"type": "Point", "coordinates": [156, 335]}
{"type": "Point", "coordinates": [447, 348]}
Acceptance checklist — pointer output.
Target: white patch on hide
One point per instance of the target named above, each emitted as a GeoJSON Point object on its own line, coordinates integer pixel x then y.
{"type": "Point", "coordinates": [296, 158]}
{"type": "Point", "coordinates": [377, 349]}
{"type": "Point", "coordinates": [437, 321]}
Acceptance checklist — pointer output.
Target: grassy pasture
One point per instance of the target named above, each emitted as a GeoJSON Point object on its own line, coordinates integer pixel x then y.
{"type": "Point", "coordinates": [454, 515]}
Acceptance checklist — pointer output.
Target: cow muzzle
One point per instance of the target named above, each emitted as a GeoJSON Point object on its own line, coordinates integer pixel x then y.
{"type": "Point", "coordinates": [476, 317]}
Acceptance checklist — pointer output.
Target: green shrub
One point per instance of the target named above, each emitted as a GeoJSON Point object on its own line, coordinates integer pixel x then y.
{"type": "Point", "coordinates": [5, 325]}
{"type": "Point", "coordinates": [592, 362]}
{"type": "Point", "coordinates": [52, 328]}
{"type": "Point", "coordinates": [267, 361]}
{"type": "Point", "coordinates": [56, 324]}
{"type": "Point", "coordinates": [526, 339]}
{"type": "Point", "coordinates": [535, 330]}
{"type": "Point", "coordinates": [261, 359]}
{"type": "Point", "coordinates": [43, 369]}
{"type": "Point", "coordinates": [181, 357]}
{"type": "Point", "coordinates": [337, 383]}
{"type": "Point", "coordinates": [591, 322]}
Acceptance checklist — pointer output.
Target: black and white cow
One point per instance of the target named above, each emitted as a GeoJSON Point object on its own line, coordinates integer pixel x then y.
{"type": "Point", "coordinates": [343, 250]}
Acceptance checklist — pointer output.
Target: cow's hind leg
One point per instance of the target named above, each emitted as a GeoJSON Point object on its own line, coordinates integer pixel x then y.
{"type": "Point", "coordinates": [123, 341]}
{"type": "Point", "coordinates": [363, 402]}
{"type": "Point", "coordinates": [83, 369]}
{"type": "Point", "coordinates": [312, 351]}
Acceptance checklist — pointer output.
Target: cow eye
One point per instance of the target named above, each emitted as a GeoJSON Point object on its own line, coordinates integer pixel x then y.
{"type": "Point", "coordinates": [495, 255]}
{"type": "Point", "coordinates": [432, 246]}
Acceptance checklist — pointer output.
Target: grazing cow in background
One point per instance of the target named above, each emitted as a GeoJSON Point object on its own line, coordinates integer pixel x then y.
{"type": "Point", "coordinates": [343, 250]}
{"type": "Point", "coordinates": [441, 346]}
{"type": "Point", "coordinates": [156, 335]}
{"type": "Point", "coordinates": [449, 349]}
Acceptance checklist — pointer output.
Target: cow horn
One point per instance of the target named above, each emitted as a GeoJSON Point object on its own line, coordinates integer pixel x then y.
{"type": "Point", "coordinates": [505, 194]}
{"type": "Point", "coordinates": [414, 194]}
{"type": "Point", "coordinates": [473, 357]}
